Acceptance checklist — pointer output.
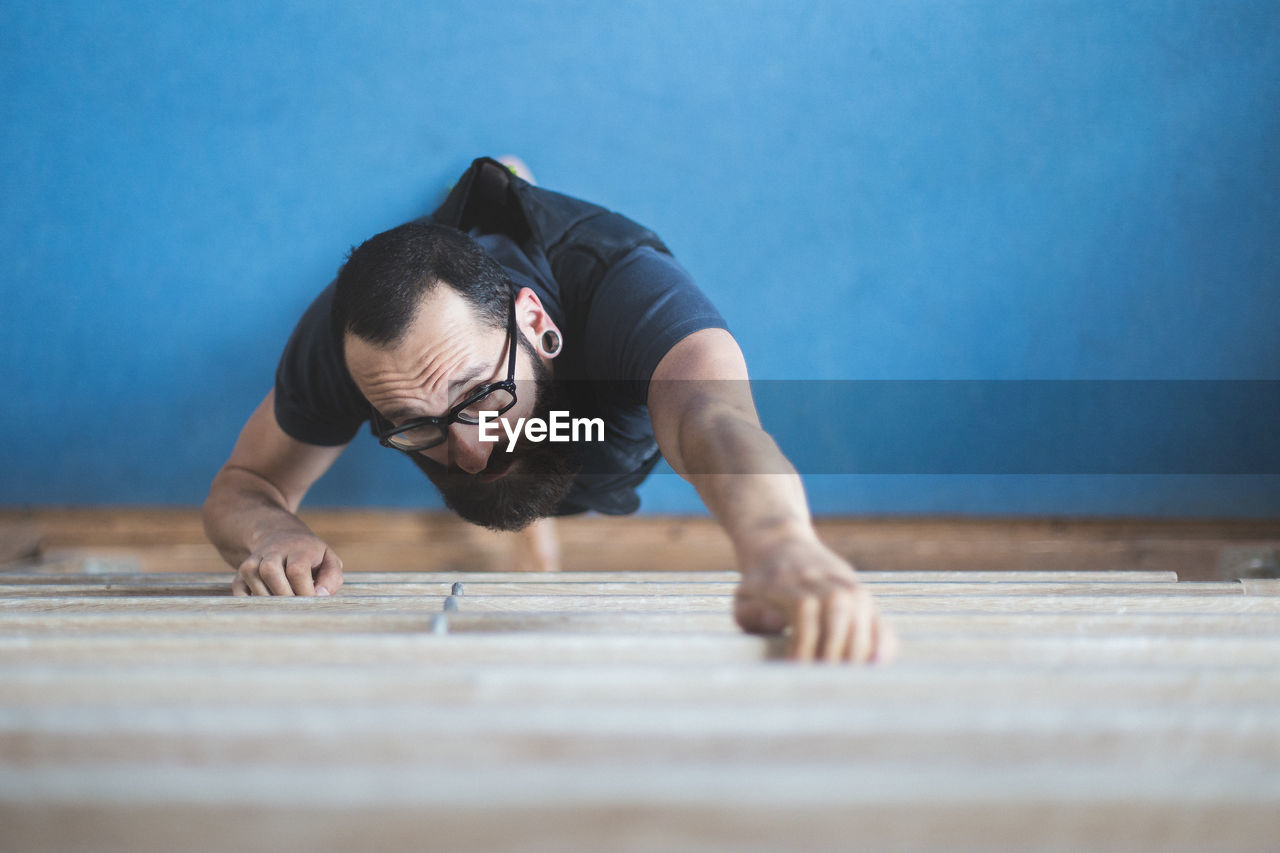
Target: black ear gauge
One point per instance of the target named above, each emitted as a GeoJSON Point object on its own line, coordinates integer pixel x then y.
{"type": "Point", "coordinates": [551, 343]}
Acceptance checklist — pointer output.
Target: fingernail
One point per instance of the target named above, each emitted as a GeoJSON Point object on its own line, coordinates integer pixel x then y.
{"type": "Point", "coordinates": [321, 591]}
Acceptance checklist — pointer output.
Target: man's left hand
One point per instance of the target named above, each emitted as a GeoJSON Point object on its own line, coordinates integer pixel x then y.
{"type": "Point", "coordinates": [801, 583]}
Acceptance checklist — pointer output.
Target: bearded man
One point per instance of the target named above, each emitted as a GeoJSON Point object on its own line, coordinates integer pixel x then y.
{"type": "Point", "coordinates": [512, 305]}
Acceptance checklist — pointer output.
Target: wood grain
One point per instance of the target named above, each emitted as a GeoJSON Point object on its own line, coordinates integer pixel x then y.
{"type": "Point", "coordinates": [623, 710]}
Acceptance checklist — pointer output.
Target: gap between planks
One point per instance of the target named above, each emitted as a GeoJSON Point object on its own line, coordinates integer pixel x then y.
{"type": "Point", "coordinates": [401, 735]}
{"type": "Point", "coordinates": [675, 590]}
{"type": "Point", "coordinates": [1011, 688]}
{"type": "Point", "coordinates": [443, 576]}
{"type": "Point", "coordinates": [903, 603]}
{"type": "Point", "coordinates": [686, 649]}
{"type": "Point", "coordinates": [1110, 820]}
{"type": "Point", "coordinates": [1011, 625]}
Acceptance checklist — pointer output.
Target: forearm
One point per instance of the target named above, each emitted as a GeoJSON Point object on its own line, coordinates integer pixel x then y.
{"type": "Point", "coordinates": [242, 509]}
{"type": "Point", "coordinates": [706, 424]}
{"type": "Point", "coordinates": [744, 480]}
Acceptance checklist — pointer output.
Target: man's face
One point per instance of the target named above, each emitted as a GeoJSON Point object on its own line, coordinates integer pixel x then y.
{"type": "Point", "coordinates": [445, 354]}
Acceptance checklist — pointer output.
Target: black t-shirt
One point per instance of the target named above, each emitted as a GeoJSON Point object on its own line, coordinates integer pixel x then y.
{"type": "Point", "coordinates": [614, 336]}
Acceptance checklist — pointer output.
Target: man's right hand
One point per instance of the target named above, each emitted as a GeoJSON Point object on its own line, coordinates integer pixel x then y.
{"type": "Point", "coordinates": [252, 509]}
{"type": "Point", "coordinates": [289, 564]}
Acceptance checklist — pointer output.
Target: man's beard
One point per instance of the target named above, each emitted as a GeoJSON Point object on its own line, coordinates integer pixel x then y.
{"type": "Point", "coordinates": [531, 490]}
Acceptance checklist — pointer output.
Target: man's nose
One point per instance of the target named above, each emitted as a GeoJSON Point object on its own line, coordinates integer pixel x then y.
{"type": "Point", "coordinates": [466, 450]}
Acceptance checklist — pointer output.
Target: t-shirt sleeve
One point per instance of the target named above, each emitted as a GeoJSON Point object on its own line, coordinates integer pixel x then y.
{"type": "Point", "coordinates": [316, 400]}
{"type": "Point", "coordinates": [645, 304]}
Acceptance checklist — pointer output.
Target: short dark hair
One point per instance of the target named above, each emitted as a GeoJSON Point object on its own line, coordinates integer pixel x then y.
{"type": "Point", "coordinates": [384, 279]}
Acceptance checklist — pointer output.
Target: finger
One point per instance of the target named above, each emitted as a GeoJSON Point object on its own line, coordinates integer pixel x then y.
{"type": "Point", "coordinates": [837, 620]}
{"type": "Point", "coordinates": [804, 628]}
{"type": "Point", "coordinates": [886, 642]}
{"type": "Point", "coordinates": [329, 575]}
{"type": "Point", "coordinates": [863, 624]}
{"type": "Point", "coordinates": [247, 575]}
{"type": "Point", "coordinates": [272, 573]}
{"type": "Point", "coordinates": [297, 570]}
{"type": "Point", "coordinates": [255, 584]}
{"type": "Point", "coordinates": [239, 586]}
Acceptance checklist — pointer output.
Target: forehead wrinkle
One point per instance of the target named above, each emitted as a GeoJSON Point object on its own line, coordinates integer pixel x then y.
{"type": "Point", "coordinates": [424, 384]}
{"type": "Point", "coordinates": [414, 378]}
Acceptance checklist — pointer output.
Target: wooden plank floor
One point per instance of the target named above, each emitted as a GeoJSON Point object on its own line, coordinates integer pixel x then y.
{"type": "Point", "coordinates": [624, 711]}
{"type": "Point", "coordinates": [172, 539]}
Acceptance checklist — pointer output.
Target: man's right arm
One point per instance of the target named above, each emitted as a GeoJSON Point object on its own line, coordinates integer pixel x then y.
{"type": "Point", "coordinates": [251, 517]}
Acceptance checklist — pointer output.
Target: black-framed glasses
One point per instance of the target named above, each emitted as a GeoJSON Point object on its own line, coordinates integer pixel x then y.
{"type": "Point", "coordinates": [425, 433]}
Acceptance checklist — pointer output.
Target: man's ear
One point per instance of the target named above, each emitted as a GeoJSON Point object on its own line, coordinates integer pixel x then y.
{"type": "Point", "coordinates": [536, 323]}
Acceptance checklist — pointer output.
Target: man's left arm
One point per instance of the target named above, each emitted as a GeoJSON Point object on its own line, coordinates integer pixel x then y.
{"type": "Point", "coordinates": [706, 425]}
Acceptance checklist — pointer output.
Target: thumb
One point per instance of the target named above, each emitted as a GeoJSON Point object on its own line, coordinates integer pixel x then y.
{"type": "Point", "coordinates": [756, 614]}
{"type": "Point", "coordinates": [329, 574]}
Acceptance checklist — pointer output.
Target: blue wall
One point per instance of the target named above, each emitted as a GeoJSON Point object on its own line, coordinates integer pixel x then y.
{"type": "Point", "coordinates": [869, 190]}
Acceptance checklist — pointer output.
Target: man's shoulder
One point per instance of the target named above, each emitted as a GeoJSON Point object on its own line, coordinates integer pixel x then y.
{"type": "Point", "coordinates": [316, 399]}
{"type": "Point", "coordinates": [489, 199]}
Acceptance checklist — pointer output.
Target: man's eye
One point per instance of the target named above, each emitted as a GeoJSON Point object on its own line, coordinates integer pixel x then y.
{"type": "Point", "coordinates": [423, 432]}
{"type": "Point", "coordinates": [475, 407]}
{"type": "Point", "coordinates": [467, 395]}
{"type": "Point", "coordinates": [495, 401]}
